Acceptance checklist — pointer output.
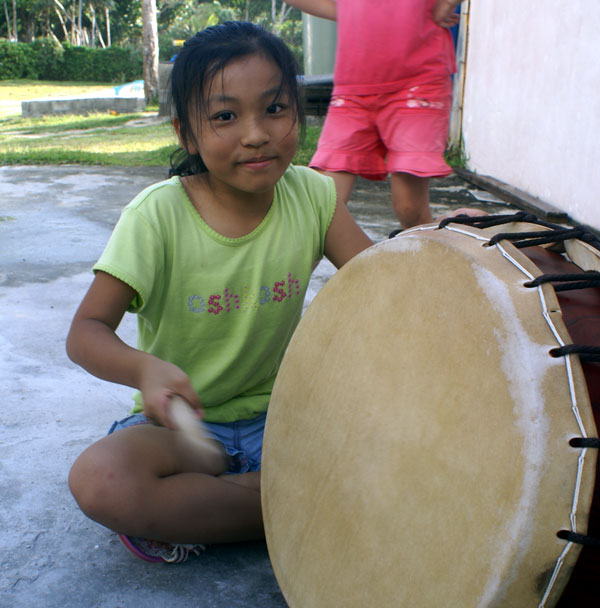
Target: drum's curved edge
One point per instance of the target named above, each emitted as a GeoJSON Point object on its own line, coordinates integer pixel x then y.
{"type": "Point", "coordinates": [585, 257]}
{"type": "Point", "coordinates": [583, 254]}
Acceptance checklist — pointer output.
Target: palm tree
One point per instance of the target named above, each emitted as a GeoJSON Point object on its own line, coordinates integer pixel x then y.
{"type": "Point", "coordinates": [150, 49]}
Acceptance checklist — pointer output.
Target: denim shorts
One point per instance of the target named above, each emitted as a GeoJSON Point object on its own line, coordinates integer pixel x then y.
{"type": "Point", "coordinates": [242, 439]}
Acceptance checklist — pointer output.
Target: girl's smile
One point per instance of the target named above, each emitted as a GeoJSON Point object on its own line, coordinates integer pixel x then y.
{"type": "Point", "coordinates": [258, 163]}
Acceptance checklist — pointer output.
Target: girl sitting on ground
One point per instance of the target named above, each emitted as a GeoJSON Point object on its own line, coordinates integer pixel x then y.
{"type": "Point", "coordinates": [215, 262]}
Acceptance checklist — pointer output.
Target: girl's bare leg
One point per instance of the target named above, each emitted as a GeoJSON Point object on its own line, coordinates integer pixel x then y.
{"type": "Point", "coordinates": [410, 199]}
{"type": "Point", "coordinates": [141, 482]}
{"type": "Point", "coordinates": [249, 480]}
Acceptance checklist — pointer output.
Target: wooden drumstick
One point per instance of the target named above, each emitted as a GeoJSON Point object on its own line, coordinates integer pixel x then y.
{"type": "Point", "coordinates": [192, 429]}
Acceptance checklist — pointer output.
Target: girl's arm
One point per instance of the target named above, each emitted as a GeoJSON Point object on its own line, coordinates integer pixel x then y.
{"type": "Point", "coordinates": [326, 9]}
{"type": "Point", "coordinates": [345, 238]}
{"type": "Point", "coordinates": [93, 344]}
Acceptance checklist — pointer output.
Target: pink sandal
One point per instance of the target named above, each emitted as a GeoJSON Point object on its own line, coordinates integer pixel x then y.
{"type": "Point", "coordinates": [157, 551]}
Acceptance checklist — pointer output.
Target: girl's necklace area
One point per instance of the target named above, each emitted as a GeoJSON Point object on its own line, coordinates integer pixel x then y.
{"type": "Point", "coordinates": [225, 215]}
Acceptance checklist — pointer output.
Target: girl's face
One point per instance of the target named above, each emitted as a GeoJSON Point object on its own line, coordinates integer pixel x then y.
{"type": "Point", "coordinates": [248, 136]}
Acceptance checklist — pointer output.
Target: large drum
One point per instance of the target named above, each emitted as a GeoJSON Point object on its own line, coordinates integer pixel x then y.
{"type": "Point", "coordinates": [431, 440]}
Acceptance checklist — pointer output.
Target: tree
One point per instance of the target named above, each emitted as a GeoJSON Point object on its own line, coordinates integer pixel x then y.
{"type": "Point", "coordinates": [278, 16]}
{"type": "Point", "coordinates": [124, 23]}
{"type": "Point", "coordinates": [14, 5]}
{"type": "Point", "coordinates": [150, 49]}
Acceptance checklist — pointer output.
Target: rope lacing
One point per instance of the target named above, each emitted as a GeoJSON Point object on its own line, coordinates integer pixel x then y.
{"type": "Point", "coordinates": [556, 234]}
{"type": "Point", "coordinates": [590, 278]}
{"type": "Point", "coordinates": [580, 539]}
{"type": "Point", "coordinates": [486, 221]}
{"type": "Point", "coordinates": [585, 442]}
{"type": "Point", "coordinates": [586, 353]}
{"type": "Point", "coordinates": [544, 237]}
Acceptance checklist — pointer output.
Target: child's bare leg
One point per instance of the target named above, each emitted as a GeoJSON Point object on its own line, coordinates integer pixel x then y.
{"type": "Point", "coordinates": [410, 199]}
{"type": "Point", "coordinates": [343, 183]}
{"type": "Point", "coordinates": [140, 482]}
{"type": "Point", "coordinates": [249, 480]}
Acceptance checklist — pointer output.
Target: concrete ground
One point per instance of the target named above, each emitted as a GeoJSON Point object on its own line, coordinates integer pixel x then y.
{"type": "Point", "coordinates": [54, 223]}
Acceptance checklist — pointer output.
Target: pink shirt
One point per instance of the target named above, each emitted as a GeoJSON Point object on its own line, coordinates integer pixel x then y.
{"type": "Point", "coordinates": [386, 44]}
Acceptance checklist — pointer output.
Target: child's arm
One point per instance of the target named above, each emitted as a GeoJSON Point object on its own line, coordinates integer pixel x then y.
{"type": "Point", "coordinates": [344, 239]}
{"type": "Point", "coordinates": [93, 344]}
{"type": "Point", "coordinates": [443, 12]}
{"type": "Point", "coordinates": [326, 9]}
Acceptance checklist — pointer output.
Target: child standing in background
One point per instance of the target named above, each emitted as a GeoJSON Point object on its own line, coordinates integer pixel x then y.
{"type": "Point", "coordinates": [215, 262]}
{"type": "Point", "coordinates": [391, 99]}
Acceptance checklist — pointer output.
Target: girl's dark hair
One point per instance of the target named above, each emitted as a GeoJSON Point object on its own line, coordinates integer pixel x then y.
{"type": "Point", "coordinates": [205, 55]}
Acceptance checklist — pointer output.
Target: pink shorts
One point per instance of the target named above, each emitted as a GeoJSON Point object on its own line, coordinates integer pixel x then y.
{"type": "Point", "coordinates": [372, 135]}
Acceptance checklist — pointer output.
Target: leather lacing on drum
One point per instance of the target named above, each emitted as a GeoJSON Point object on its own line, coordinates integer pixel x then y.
{"type": "Point", "coordinates": [556, 235]}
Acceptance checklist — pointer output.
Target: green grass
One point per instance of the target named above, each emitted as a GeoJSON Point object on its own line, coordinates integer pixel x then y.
{"type": "Point", "coordinates": [96, 139]}
{"type": "Point", "coordinates": [307, 145]}
{"type": "Point", "coordinates": [99, 139]}
{"type": "Point", "coordinates": [456, 158]}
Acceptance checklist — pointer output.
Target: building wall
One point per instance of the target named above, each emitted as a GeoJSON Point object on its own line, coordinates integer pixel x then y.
{"type": "Point", "coordinates": [531, 102]}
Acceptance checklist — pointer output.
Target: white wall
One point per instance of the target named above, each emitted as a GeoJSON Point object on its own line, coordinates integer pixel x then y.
{"type": "Point", "coordinates": [531, 105]}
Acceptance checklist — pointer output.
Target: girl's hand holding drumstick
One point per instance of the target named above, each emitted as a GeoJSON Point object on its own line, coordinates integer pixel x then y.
{"type": "Point", "coordinates": [170, 401]}
{"type": "Point", "coordinates": [194, 435]}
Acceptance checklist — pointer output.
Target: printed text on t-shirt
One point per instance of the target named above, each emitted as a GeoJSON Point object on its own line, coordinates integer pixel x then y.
{"type": "Point", "coordinates": [245, 299]}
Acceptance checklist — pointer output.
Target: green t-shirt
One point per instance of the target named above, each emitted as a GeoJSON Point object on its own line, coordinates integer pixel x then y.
{"type": "Point", "coordinates": [222, 309]}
